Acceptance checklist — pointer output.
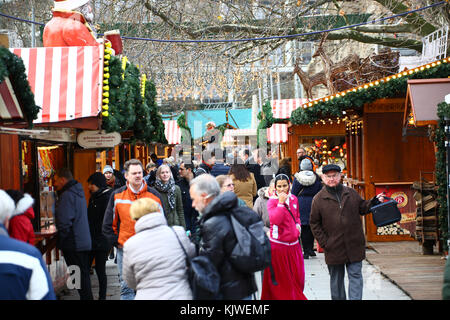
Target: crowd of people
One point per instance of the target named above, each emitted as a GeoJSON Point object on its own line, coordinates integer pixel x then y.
{"type": "Point", "coordinates": [140, 213]}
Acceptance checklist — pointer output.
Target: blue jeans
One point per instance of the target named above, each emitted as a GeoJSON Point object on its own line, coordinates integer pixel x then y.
{"type": "Point", "coordinates": [355, 281]}
{"type": "Point", "coordinates": [125, 292]}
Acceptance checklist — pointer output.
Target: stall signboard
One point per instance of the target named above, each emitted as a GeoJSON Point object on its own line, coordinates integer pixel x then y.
{"type": "Point", "coordinates": [95, 139]}
{"type": "Point", "coordinates": [57, 135]}
{"type": "Point", "coordinates": [403, 194]}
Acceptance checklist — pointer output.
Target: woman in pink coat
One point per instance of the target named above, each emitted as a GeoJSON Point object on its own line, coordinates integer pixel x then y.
{"type": "Point", "coordinates": [287, 258]}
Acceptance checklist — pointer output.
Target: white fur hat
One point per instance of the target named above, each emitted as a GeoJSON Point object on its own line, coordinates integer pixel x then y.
{"type": "Point", "coordinates": [69, 4]}
{"type": "Point", "coordinates": [7, 206]}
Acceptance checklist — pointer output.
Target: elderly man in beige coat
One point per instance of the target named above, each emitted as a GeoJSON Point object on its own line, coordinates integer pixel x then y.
{"type": "Point", "coordinates": [154, 264]}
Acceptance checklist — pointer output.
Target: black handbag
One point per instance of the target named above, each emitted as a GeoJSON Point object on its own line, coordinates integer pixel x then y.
{"type": "Point", "coordinates": [203, 277]}
{"type": "Point", "coordinates": [386, 213]}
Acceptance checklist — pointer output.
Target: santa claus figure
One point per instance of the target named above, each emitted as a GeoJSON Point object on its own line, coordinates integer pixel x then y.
{"type": "Point", "coordinates": [70, 25]}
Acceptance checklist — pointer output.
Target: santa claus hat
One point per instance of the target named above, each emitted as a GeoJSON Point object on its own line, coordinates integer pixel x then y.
{"type": "Point", "coordinates": [69, 4]}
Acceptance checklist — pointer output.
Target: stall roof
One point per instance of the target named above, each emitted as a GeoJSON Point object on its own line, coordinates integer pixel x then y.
{"type": "Point", "coordinates": [283, 108]}
{"type": "Point", "coordinates": [422, 98]}
{"type": "Point", "coordinates": [172, 131]}
{"type": "Point", "coordinates": [67, 82]}
{"type": "Point", "coordinates": [9, 106]}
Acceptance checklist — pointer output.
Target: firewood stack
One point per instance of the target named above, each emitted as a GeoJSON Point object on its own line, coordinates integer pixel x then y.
{"type": "Point", "coordinates": [427, 231]}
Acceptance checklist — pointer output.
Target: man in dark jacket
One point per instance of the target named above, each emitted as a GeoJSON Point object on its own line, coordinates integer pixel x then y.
{"type": "Point", "coordinates": [208, 161]}
{"type": "Point", "coordinates": [190, 214]}
{"type": "Point", "coordinates": [336, 224]}
{"type": "Point", "coordinates": [73, 237]}
{"type": "Point", "coordinates": [217, 236]}
{"type": "Point", "coordinates": [100, 194]}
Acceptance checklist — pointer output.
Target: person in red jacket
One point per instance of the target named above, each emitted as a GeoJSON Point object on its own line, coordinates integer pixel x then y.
{"type": "Point", "coordinates": [70, 25]}
{"type": "Point", "coordinates": [287, 258]}
{"type": "Point", "coordinates": [20, 226]}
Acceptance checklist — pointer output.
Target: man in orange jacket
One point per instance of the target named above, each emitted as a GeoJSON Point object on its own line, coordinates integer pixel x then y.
{"type": "Point", "coordinates": [70, 25]}
{"type": "Point", "coordinates": [118, 226]}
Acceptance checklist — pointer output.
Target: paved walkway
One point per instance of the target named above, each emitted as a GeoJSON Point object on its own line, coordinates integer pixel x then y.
{"type": "Point", "coordinates": [376, 285]}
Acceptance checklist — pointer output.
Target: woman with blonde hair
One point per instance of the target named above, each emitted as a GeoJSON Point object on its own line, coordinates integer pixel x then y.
{"type": "Point", "coordinates": [170, 196]}
{"type": "Point", "coordinates": [154, 253]}
{"type": "Point", "coordinates": [244, 183]}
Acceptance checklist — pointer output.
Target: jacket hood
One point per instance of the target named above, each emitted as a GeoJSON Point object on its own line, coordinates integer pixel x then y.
{"type": "Point", "coordinates": [222, 203]}
{"type": "Point", "coordinates": [263, 192]}
{"type": "Point", "coordinates": [306, 178]}
{"type": "Point", "coordinates": [149, 221]}
{"type": "Point", "coordinates": [23, 205]}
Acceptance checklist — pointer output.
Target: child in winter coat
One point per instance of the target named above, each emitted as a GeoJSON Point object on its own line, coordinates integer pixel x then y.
{"type": "Point", "coordinates": [20, 226]}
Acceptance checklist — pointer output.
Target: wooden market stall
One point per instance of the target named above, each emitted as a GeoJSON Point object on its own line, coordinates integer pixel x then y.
{"type": "Point", "coordinates": [70, 103]}
{"type": "Point", "coordinates": [380, 155]}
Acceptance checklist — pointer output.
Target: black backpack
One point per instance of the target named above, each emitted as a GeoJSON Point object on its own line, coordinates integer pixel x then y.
{"type": "Point", "coordinates": [203, 277]}
{"type": "Point", "coordinates": [252, 251]}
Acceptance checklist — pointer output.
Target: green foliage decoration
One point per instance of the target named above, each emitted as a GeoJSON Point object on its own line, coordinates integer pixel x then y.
{"type": "Point", "coordinates": [12, 66]}
{"type": "Point", "coordinates": [443, 112]}
{"type": "Point", "coordinates": [122, 93]}
{"type": "Point", "coordinates": [395, 87]}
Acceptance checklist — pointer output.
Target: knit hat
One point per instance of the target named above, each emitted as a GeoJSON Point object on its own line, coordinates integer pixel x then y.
{"type": "Point", "coordinates": [306, 165]}
{"type": "Point", "coordinates": [6, 206]}
{"type": "Point", "coordinates": [69, 4]}
{"type": "Point", "coordinates": [98, 179]}
{"type": "Point", "coordinates": [108, 168]}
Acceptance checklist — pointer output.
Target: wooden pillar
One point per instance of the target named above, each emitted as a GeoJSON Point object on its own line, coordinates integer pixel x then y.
{"type": "Point", "coordinates": [9, 162]}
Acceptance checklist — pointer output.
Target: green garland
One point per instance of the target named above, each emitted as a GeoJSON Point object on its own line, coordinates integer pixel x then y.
{"type": "Point", "coordinates": [155, 127]}
{"type": "Point", "coordinates": [181, 121]}
{"type": "Point", "coordinates": [121, 113]}
{"type": "Point", "coordinates": [334, 107]}
{"type": "Point", "coordinates": [12, 66]}
{"type": "Point", "coordinates": [443, 111]}
{"type": "Point", "coordinates": [128, 110]}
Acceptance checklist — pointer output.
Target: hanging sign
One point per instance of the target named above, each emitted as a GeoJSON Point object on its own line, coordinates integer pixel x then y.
{"type": "Point", "coordinates": [93, 139]}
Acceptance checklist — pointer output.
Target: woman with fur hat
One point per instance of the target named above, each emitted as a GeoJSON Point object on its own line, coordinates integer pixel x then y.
{"type": "Point", "coordinates": [20, 226]}
{"type": "Point", "coordinates": [306, 185]}
{"type": "Point", "coordinates": [154, 264]}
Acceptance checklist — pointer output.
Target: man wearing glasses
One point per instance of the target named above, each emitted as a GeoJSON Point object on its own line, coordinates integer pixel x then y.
{"type": "Point", "coordinates": [336, 224]}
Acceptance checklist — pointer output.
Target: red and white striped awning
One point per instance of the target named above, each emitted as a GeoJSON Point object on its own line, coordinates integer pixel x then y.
{"type": "Point", "coordinates": [229, 134]}
{"type": "Point", "coordinates": [283, 108]}
{"type": "Point", "coordinates": [67, 82]}
{"type": "Point", "coordinates": [9, 106]}
{"type": "Point", "coordinates": [277, 133]}
{"type": "Point", "coordinates": [172, 131]}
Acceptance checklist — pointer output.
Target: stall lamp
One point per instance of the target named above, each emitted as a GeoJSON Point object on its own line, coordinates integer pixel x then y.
{"type": "Point", "coordinates": [105, 113]}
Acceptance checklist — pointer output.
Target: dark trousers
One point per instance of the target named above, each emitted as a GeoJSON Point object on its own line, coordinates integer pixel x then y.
{"type": "Point", "coordinates": [81, 259]}
{"type": "Point", "coordinates": [100, 269]}
{"type": "Point", "coordinates": [307, 240]}
{"type": "Point", "coordinates": [355, 281]}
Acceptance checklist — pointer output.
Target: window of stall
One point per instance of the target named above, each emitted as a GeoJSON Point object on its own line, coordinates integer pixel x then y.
{"type": "Point", "coordinates": [326, 150]}
{"type": "Point", "coordinates": [40, 160]}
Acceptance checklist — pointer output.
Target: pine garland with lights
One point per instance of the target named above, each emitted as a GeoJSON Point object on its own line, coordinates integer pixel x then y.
{"type": "Point", "coordinates": [389, 87]}
{"type": "Point", "coordinates": [12, 66]}
{"type": "Point", "coordinates": [443, 112]}
{"type": "Point", "coordinates": [120, 115]}
{"type": "Point", "coordinates": [155, 127]}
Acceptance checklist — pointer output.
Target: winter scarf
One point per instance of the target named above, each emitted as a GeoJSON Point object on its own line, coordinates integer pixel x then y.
{"type": "Point", "coordinates": [168, 188]}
